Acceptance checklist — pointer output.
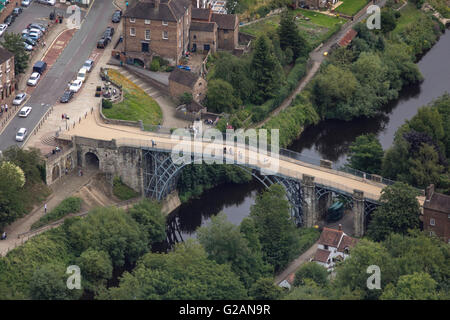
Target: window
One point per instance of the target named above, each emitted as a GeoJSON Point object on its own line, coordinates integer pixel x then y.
{"type": "Point", "coordinates": [432, 222]}
{"type": "Point", "coordinates": [145, 47]}
{"type": "Point", "coordinates": [147, 34]}
{"type": "Point", "coordinates": [325, 247]}
{"type": "Point", "coordinates": [132, 20]}
{"type": "Point", "coordinates": [133, 32]}
{"type": "Point", "coordinates": [147, 21]}
{"type": "Point", "coordinates": [165, 23]}
{"type": "Point", "coordinates": [195, 37]}
{"type": "Point", "coordinates": [165, 35]}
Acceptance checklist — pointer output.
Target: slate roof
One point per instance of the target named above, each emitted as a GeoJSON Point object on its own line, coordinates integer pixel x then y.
{"type": "Point", "coordinates": [4, 55]}
{"type": "Point", "coordinates": [186, 78]}
{"type": "Point", "coordinates": [330, 237]}
{"type": "Point", "coordinates": [200, 14]}
{"type": "Point", "coordinates": [321, 255]}
{"type": "Point", "coordinates": [225, 21]}
{"type": "Point", "coordinates": [438, 202]}
{"type": "Point", "coordinates": [347, 242]}
{"type": "Point", "coordinates": [203, 26]}
{"type": "Point", "coordinates": [168, 10]}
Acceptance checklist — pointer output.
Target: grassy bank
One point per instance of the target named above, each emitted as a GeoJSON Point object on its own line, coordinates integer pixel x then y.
{"type": "Point", "coordinates": [351, 7]}
{"type": "Point", "coordinates": [67, 206]}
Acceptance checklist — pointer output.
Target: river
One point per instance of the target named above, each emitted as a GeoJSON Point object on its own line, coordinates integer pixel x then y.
{"type": "Point", "coordinates": [329, 139]}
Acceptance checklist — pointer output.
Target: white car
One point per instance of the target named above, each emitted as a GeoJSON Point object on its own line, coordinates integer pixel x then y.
{"type": "Point", "coordinates": [26, 3]}
{"type": "Point", "coordinates": [88, 65]}
{"type": "Point", "coordinates": [19, 99]}
{"type": "Point", "coordinates": [28, 47]}
{"type": "Point", "coordinates": [35, 30]}
{"type": "Point", "coordinates": [3, 28]}
{"type": "Point", "coordinates": [21, 134]}
{"type": "Point", "coordinates": [24, 112]}
{"type": "Point", "coordinates": [75, 86]}
{"type": "Point", "coordinates": [82, 74]}
{"type": "Point", "coordinates": [34, 79]}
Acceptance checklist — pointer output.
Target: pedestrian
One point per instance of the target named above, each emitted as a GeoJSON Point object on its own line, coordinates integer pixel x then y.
{"type": "Point", "coordinates": [45, 208]}
{"type": "Point", "coordinates": [62, 116]}
{"type": "Point", "coordinates": [6, 107]}
{"type": "Point", "coordinates": [67, 171]}
{"type": "Point", "coordinates": [81, 172]}
{"type": "Point", "coordinates": [3, 235]}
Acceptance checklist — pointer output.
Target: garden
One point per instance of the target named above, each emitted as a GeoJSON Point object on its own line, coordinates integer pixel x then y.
{"type": "Point", "coordinates": [351, 7]}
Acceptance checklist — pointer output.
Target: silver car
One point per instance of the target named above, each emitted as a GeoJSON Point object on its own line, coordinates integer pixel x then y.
{"type": "Point", "coordinates": [19, 99]}
{"type": "Point", "coordinates": [88, 64]}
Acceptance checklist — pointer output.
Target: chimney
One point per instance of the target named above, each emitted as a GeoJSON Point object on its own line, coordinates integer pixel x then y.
{"type": "Point", "coordinates": [429, 192]}
{"type": "Point", "coordinates": [340, 227]}
{"type": "Point", "coordinates": [156, 3]}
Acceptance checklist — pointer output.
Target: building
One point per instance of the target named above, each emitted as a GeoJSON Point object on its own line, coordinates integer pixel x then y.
{"type": "Point", "coordinates": [170, 28]}
{"type": "Point", "coordinates": [436, 214]}
{"type": "Point", "coordinates": [7, 76]}
{"type": "Point", "coordinates": [334, 245]}
{"type": "Point", "coordinates": [348, 38]}
{"type": "Point", "coordinates": [314, 4]}
{"type": "Point", "coordinates": [181, 81]}
{"type": "Point", "coordinates": [157, 27]}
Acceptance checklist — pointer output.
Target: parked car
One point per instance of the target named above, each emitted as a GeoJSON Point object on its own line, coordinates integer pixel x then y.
{"type": "Point", "coordinates": [117, 15]}
{"type": "Point", "coordinates": [49, 2]}
{"type": "Point", "coordinates": [67, 96]}
{"type": "Point", "coordinates": [34, 79]}
{"type": "Point", "coordinates": [26, 3]}
{"type": "Point", "coordinates": [82, 74]}
{"type": "Point", "coordinates": [17, 11]}
{"type": "Point", "coordinates": [37, 26]}
{"type": "Point", "coordinates": [102, 43]}
{"type": "Point", "coordinates": [24, 112]}
{"type": "Point", "coordinates": [10, 19]}
{"type": "Point", "coordinates": [88, 65]}
{"type": "Point", "coordinates": [28, 47]}
{"type": "Point", "coordinates": [19, 99]}
{"type": "Point", "coordinates": [21, 134]}
{"type": "Point", "coordinates": [109, 33]}
{"type": "Point", "coordinates": [3, 27]}
{"type": "Point", "coordinates": [35, 30]}
{"type": "Point", "coordinates": [29, 40]}
{"type": "Point", "coordinates": [40, 67]}
{"type": "Point", "coordinates": [33, 35]}
{"type": "Point", "coordinates": [75, 86]}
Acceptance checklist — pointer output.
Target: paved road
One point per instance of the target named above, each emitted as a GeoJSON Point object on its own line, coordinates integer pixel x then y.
{"type": "Point", "coordinates": [52, 85]}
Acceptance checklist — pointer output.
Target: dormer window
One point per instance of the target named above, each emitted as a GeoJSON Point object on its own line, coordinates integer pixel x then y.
{"type": "Point", "coordinates": [165, 23]}
{"type": "Point", "coordinates": [132, 20]}
{"type": "Point", "coordinates": [147, 21]}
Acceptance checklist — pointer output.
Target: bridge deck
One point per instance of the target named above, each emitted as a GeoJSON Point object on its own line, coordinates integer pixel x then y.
{"type": "Point", "coordinates": [92, 127]}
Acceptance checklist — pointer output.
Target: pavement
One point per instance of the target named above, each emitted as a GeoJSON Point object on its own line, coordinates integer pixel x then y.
{"type": "Point", "coordinates": [53, 84]}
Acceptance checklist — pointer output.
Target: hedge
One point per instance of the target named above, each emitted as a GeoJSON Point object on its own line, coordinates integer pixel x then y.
{"type": "Point", "coordinates": [68, 205]}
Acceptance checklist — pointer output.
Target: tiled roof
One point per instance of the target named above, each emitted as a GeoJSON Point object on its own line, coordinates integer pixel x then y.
{"type": "Point", "coordinates": [348, 38]}
{"type": "Point", "coordinates": [330, 237]}
{"type": "Point", "coordinates": [186, 78]}
{"type": "Point", "coordinates": [203, 26]}
{"type": "Point", "coordinates": [200, 14]}
{"type": "Point", "coordinates": [321, 255]}
{"type": "Point", "coordinates": [347, 242]}
{"type": "Point", "coordinates": [168, 10]}
{"type": "Point", "coordinates": [225, 21]}
{"type": "Point", "coordinates": [4, 55]}
{"type": "Point", "coordinates": [439, 202]}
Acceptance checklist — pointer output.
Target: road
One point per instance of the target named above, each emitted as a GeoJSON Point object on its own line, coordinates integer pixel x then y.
{"type": "Point", "coordinates": [53, 84]}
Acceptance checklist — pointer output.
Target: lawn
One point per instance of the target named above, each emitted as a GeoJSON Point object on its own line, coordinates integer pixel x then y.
{"type": "Point", "coordinates": [136, 105]}
{"type": "Point", "coordinates": [409, 14]}
{"type": "Point", "coordinates": [442, 6]}
{"type": "Point", "coordinates": [351, 7]}
{"type": "Point", "coordinates": [317, 29]}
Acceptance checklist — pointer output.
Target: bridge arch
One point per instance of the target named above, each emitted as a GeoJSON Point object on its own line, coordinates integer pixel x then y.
{"type": "Point", "coordinates": [91, 160]}
{"type": "Point", "coordinates": [56, 172]}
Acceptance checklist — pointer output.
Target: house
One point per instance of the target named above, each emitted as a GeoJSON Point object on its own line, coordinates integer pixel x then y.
{"type": "Point", "coordinates": [181, 81]}
{"type": "Point", "coordinates": [333, 246]}
{"type": "Point", "coordinates": [228, 30]}
{"type": "Point", "coordinates": [436, 214]}
{"type": "Point", "coordinates": [349, 36]}
{"type": "Point", "coordinates": [157, 27]}
{"type": "Point", "coordinates": [203, 36]}
{"type": "Point", "coordinates": [7, 76]}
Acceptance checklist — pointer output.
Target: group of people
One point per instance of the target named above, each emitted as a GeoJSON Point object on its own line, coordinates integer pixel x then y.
{"type": "Point", "coordinates": [64, 116]}
{"type": "Point", "coordinates": [4, 235]}
{"type": "Point", "coordinates": [3, 108]}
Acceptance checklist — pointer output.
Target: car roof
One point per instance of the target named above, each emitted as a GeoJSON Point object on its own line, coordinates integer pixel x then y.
{"type": "Point", "coordinates": [35, 73]}
{"type": "Point", "coordinates": [25, 108]}
{"type": "Point", "coordinates": [22, 130]}
{"type": "Point", "coordinates": [20, 94]}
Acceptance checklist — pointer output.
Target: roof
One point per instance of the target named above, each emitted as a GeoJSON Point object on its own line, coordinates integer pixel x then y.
{"type": "Point", "coordinates": [330, 237]}
{"type": "Point", "coordinates": [291, 278]}
{"type": "Point", "coordinates": [4, 55]}
{"type": "Point", "coordinates": [321, 255]}
{"type": "Point", "coordinates": [200, 14]}
{"type": "Point", "coordinates": [203, 26]}
{"type": "Point", "coordinates": [347, 38]}
{"type": "Point", "coordinates": [192, 107]}
{"type": "Point", "coordinates": [347, 242]}
{"type": "Point", "coordinates": [168, 10]}
{"type": "Point", "coordinates": [438, 202]}
{"type": "Point", "coordinates": [183, 77]}
{"type": "Point", "coordinates": [225, 21]}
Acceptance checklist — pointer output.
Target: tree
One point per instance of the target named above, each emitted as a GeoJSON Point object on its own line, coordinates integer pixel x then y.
{"type": "Point", "coordinates": [12, 180]}
{"type": "Point", "coordinates": [265, 289]}
{"type": "Point", "coordinates": [185, 273]}
{"type": "Point", "coordinates": [399, 211]}
{"type": "Point", "coordinates": [49, 283]}
{"type": "Point", "coordinates": [277, 232]}
{"type": "Point", "coordinates": [267, 72]}
{"type": "Point", "coordinates": [149, 216]}
{"type": "Point", "coordinates": [186, 98]}
{"type": "Point", "coordinates": [96, 268]}
{"type": "Point", "coordinates": [312, 271]}
{"type": "Point", "coordinates": [416, 286]}
{"type": "Point", "coordinates": [111, 230]}
{"type": "Point", "coordinates": [220, 96]}
{"type": "Point", "coordinates": [14, 44]}
{"type": "Point", "coordinates": [224, 243]}
{"type": "Point", "coordinates": [290, 37]}
{"type": "Point", "coordinates": [425, 168]}
{"type": "Point", "coordinates": [366, 154]}
{"type": "Point", "coordinates": [388, 20]}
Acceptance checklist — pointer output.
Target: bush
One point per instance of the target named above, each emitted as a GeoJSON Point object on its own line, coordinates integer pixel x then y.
{"type": "Point", "coordinates": [186, 98]}
{"type": "Point", "coordinates": [106, 104]}
{"type": "Point", "coordinates": [307, 238]}
{"type": "Point", "coordinates": [154, 66]}
{"type": "Point", "coordinates": [122, 191]}
{"type": "Point", "coordinates": [68, 205]}
{"type": "Point", "coordinates": [170, 68]}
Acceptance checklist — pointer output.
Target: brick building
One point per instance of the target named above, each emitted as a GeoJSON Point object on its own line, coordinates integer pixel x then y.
{"type": "Point", "coordinates": [7, 76]}
{"type": "Point", "coordinates": [436, 214]}
{"type": "Point", "coordinates": [203, 36]}
{"type": "Point", "coordinates": [181, 81]}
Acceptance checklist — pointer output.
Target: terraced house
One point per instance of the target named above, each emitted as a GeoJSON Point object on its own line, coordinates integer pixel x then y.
{"type": "Point", "coordinates": [7, 76]}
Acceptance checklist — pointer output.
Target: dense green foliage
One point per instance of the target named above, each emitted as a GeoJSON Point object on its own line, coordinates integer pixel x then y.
{"type": "Point", "coordinates": [68, 205]}
{"type": "Point", "coordinates": [194, 179]}
{"type": "Point", "coordinates": [265, 289]}
{"type": "Point", "coordinates": [421, 149]}
{"type": "Point", "coordinates": [366, 154]}
{"type": "Point", "coordinates": [122, 191]}
{"type": "Point", "coordinates": [312, 271]}
{"type": "Point", "coordinates": [221, 97]}
{"type": "Point", "coordinates": [149, 216]}
{"type": "Point", "coordinates": [13, 42]}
